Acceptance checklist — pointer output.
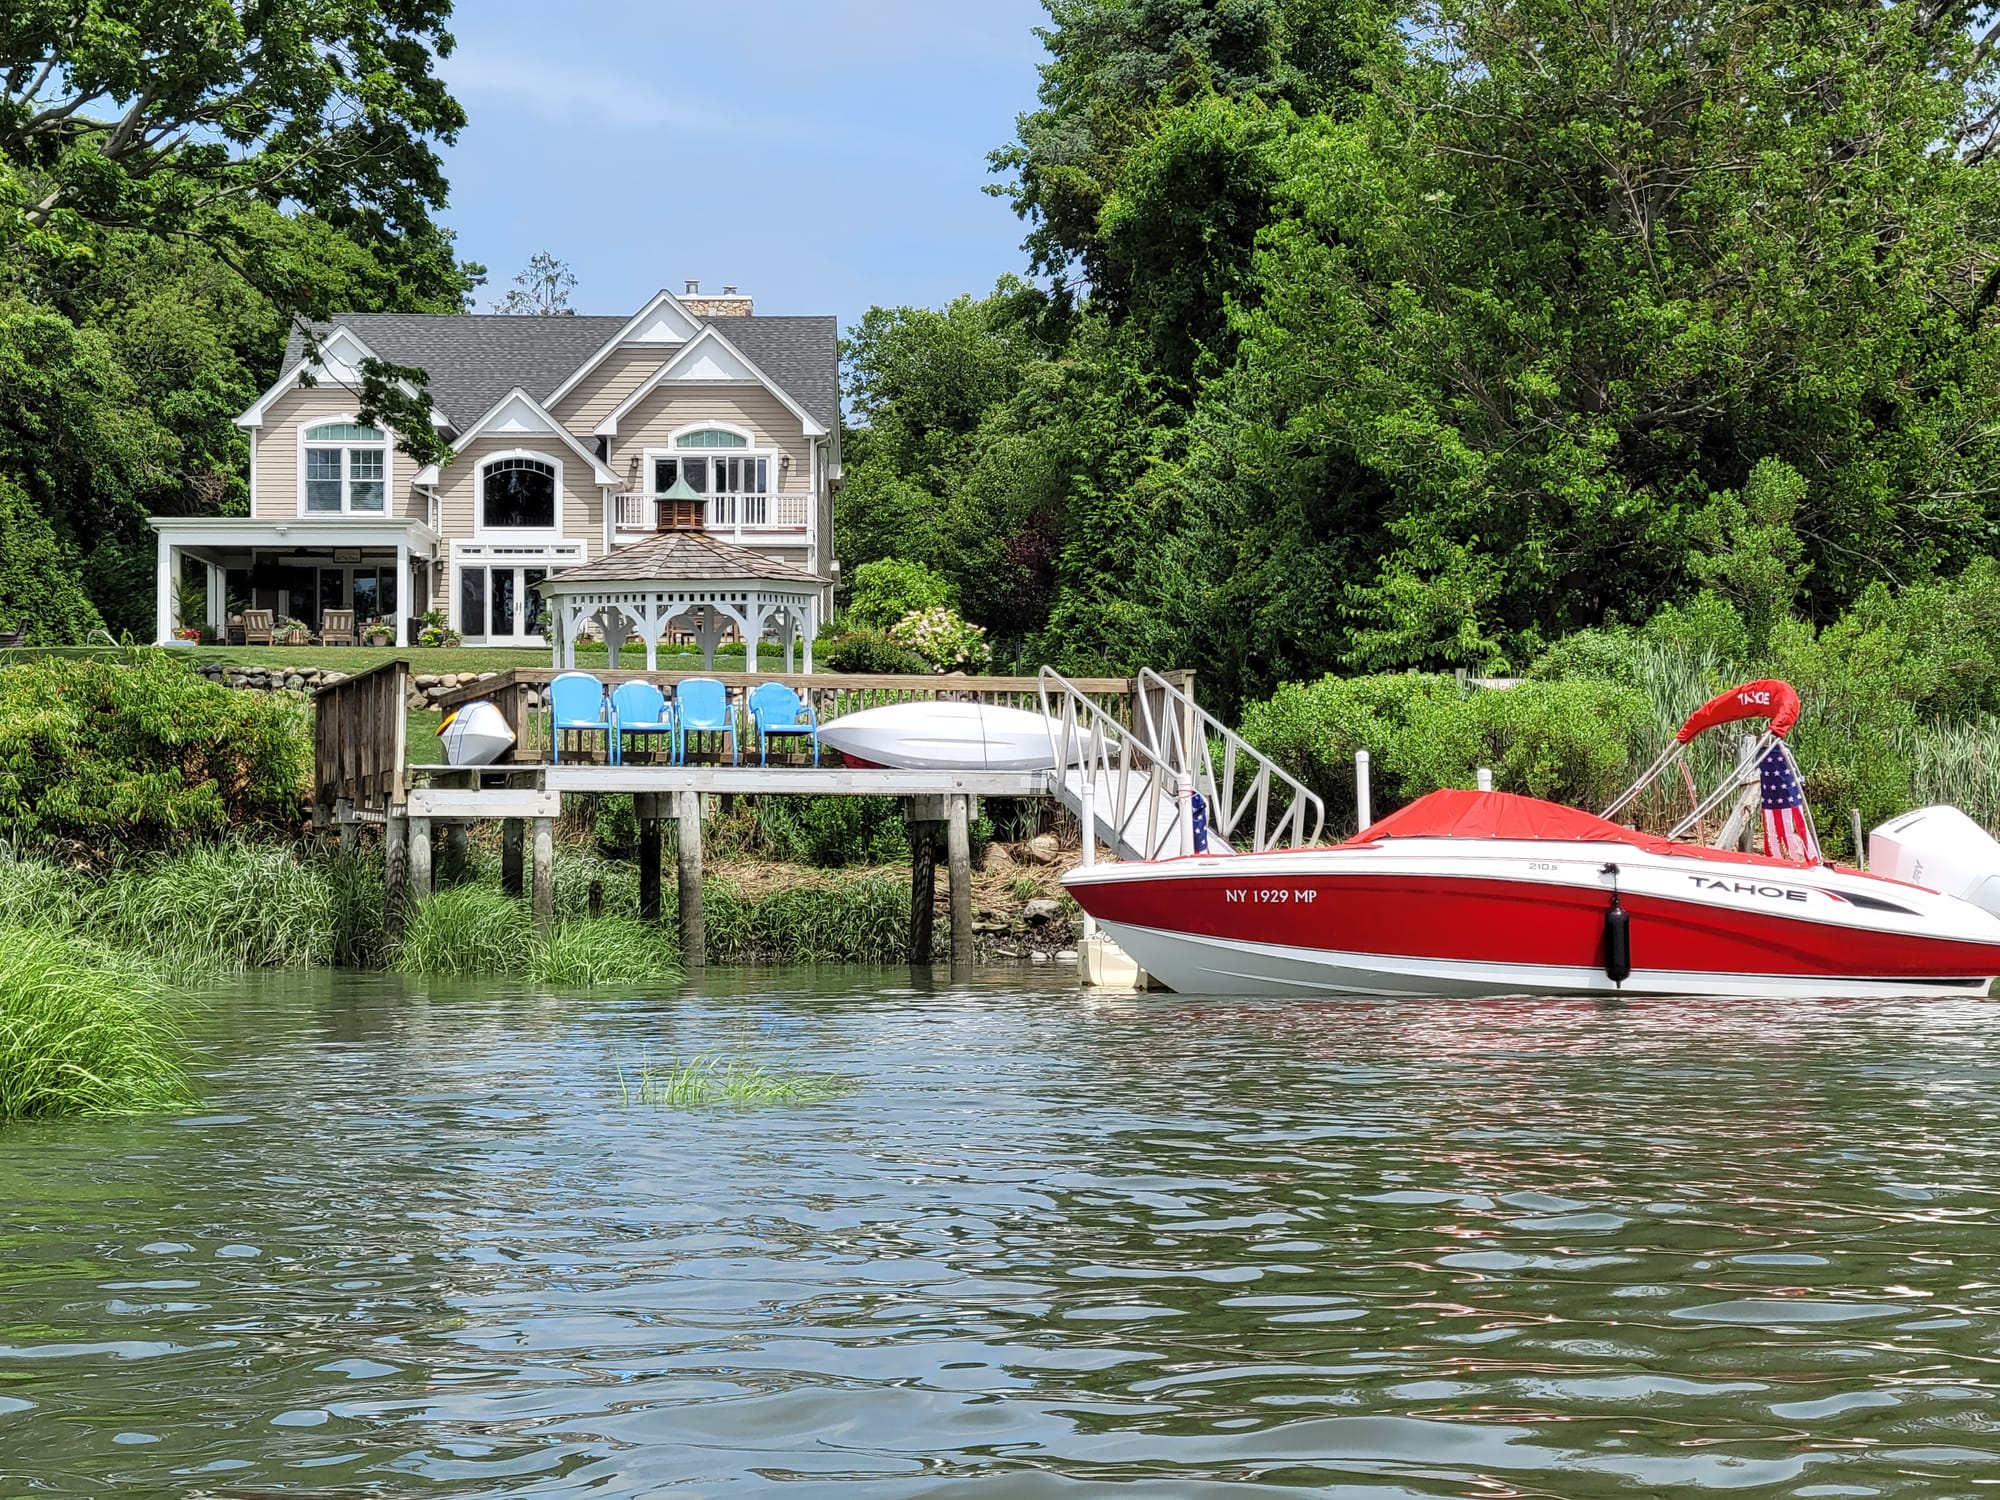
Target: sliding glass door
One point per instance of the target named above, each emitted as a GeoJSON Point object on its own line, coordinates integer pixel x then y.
{"type": "Point", "coordinates": [500, 606]}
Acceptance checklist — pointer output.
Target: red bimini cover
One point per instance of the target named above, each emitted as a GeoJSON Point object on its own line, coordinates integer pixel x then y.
{"type": "Point", "coordinates": [1767, 698]}
{"type": "Point", "coordinates": [1452, 814]}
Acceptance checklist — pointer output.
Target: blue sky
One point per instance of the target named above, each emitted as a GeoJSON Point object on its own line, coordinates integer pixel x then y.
{"type": "Point", "coordinates": [823, 156]}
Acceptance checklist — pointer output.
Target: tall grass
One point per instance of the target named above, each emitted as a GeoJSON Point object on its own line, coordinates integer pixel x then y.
{"type": "Point", "coordinates": [708, 1082]}
{"type": "Point", "coordinates": [476, 932]}
{"type": "Point", "coordinates": [222, 906]}
{"type": "Point", "coordinates": [82, 1031]}
{"type": "Point", "coordinates": [860, 921]}
{"type": "Point", "coordinates": [608, 950]}
{"type": "Point", "coordinates": [468, 932]}
{"type": "Point", "coordinates": [1957, 762]}
{"type": "Point", "coordinates": [35, 893]}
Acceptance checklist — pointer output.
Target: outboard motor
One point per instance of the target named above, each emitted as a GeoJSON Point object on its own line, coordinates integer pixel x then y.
{"type": "Point", "coordinates": [1940, 849]}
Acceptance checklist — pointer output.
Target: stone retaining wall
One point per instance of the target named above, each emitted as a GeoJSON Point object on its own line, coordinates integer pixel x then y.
{"type": "Point", "coordinates": [425, 687]}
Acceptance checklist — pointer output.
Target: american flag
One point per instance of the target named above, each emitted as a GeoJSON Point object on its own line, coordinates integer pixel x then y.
{"type": "Point", "coordinates": [1788, 826]}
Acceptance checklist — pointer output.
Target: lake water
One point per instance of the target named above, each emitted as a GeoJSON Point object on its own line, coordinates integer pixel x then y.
{"type": "Point", "coordinates": [413, 1243]}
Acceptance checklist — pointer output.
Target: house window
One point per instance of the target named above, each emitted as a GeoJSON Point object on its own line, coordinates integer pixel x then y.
{"type": "Point", "coordinates": [711, 437]}
{"type": "Point", "coordinates": [518, 494]}
{"type": "Point", "coordinates": [346, 468]}
{"type": "Point", "coordinates": [747, 475]}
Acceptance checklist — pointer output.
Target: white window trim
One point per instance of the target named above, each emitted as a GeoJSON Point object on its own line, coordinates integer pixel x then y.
{"type": "Point", "coordinates": [388, 509]}
{"type": "Point", "coordinates": [553, 555]}
{"type": "Point", "coordinates": [527, 533]}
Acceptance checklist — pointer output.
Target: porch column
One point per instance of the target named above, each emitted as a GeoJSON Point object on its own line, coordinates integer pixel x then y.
{"type": "Point", "coordinates": [163, 603]}
{"type": "Point", "coordinates": [405, 595]}
{"type": "Point", "coordinates": [218, 600]}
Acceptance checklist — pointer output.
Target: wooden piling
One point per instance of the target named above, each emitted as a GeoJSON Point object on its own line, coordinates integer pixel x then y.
{"type": "Point", "coordinates": [687, 841]}
{"type": "Point", "coordinates": [420, 859]}
{"type": "Point", "coordinates": [544, 860]}
{"type": "Point", "coordinates": [647, 806]}
{"type": "Point", "coordinates": [455, 858]}
{"type": "Point", "coordinates": [395, 875]}
{"type": "Point", "coordinates": [513, 841]}
{"type": "Point", "coordinates": [958, 861]}
{"type": "Point", "coordinates": [920, 820]}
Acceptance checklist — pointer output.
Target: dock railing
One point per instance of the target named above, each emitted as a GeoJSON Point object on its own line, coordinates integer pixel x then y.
{"type": "Point", "coordinates": [360, 741]}
{"type": "Point", "coordinates": [832, 694]}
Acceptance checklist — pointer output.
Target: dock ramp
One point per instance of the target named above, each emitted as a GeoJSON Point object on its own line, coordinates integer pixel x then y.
{"type": "Point", "coordinates": [1135, 783]}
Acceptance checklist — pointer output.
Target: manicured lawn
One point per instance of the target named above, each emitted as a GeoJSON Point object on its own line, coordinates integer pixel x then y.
{"type": "Point", "coordinates": [440, 659]}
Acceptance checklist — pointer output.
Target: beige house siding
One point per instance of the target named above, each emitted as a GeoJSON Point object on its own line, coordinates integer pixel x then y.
{"type": "Point", "coordinates": [673, 406]}
{"type": "Point", "coordinates": [582, 502]}
{"type": "Point", "coordinates": [623, 371]}
{"type": "Point", "coordinates": [275, 474]}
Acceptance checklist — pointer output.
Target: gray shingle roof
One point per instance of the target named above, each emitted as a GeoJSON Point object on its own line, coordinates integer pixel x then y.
{"type": "Point", "coordinates": [473, 359]}
{"type": "Point", "coordinates": [684, 557]}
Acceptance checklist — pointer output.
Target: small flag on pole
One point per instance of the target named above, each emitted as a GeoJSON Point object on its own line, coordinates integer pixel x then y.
{"type": "Point", "coordinates": [1788, 826]}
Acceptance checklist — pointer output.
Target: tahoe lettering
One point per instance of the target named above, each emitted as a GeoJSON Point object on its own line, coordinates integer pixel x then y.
{"type": "Point", "coordinates": [1747, 888]}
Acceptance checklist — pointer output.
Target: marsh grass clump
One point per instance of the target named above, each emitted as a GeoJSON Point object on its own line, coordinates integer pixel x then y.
{"type": "Point", "coordinates": [708, 1082]}
{"type": "Point", "coordinates": [360, 936]}
{"type": "Point", "coordinates": [858, 921]}
{"type": "Point", "coordinates": [83, 1031]}
{"type": "Point", "coordinates": [222, 906]}
{"type": "Point", "coordinates": [581, 954]}
{"type": "Point", "coordinates": [35, 893]}
{"type": "Point", "coordinates": [468, 932]}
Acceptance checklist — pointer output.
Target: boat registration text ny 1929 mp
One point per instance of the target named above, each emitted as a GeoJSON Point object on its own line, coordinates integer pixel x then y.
{"type": "Point", "coordinates": [1266, 895]}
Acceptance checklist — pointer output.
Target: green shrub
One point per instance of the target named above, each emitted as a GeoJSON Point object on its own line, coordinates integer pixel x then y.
{"type": "Point", "coordinates": [222, 906]}
{"type": "Point", "coordinates": [142, 752]}
{"type": "Point", "coordinates": [609, 950]}
{"type": "Point", "coordinates": [1314, 729]}
{"type": "Point", "coordinates": [851, 649]}
{"type": "Point", "coordinates": [82, 1031]}
{"type": "Point", "coordinates": [468, 932]}
{"type": "Point", "coordinates": [832, 832]}
{"type": "Point", "coordinates": [884, 591]}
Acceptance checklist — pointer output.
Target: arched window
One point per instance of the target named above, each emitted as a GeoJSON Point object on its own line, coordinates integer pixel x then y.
{"type": "Point", "coordinates": [346, 468]}
{"type": "Point", "coordinates": [518, 494]}
{"type": "Point", "coordinates": [711, 437]}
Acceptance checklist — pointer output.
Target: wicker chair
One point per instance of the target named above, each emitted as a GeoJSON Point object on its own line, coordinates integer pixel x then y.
{"type": "Point", "coordinates": [336, 627]}
{"type": "Point", "coordinates": [257, 625]}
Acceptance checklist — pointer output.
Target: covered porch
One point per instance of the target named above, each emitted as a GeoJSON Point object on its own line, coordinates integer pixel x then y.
{"type": "Point", "coordinates": [212, 567]}
{"type": "Point", "coordinates": [685, 582]}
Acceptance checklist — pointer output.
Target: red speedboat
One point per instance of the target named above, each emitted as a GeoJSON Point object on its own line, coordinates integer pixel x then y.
{"type": "Point", "coordinates": [1487, 893]}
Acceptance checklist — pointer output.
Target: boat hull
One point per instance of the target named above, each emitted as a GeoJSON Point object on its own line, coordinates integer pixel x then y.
{"type": "Point", "coordinates": [475, 734]}
{"type": "Point", "coordinates": [1461, 917]}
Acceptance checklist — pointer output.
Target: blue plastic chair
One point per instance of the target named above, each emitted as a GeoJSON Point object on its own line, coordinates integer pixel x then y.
{"type": "Point", "coordinates": [638, 708]}
{"type": "Point", "coordinates": [780, 713]}
{"type": "Point", "coordinates": [701, 706]}
{"type": "Point", "coordinates": [576, 704]}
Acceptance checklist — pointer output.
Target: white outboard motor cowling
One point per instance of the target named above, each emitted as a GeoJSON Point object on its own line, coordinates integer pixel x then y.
{"type": "Point", "coordinates": [1940, 849]}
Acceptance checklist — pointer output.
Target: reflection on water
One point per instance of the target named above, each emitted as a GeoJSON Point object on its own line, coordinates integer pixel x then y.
{"type": "Point", "coordinates": [415, 1245]}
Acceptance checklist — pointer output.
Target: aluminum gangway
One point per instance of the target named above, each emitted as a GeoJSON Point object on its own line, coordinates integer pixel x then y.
{"type": "Point", "coordinates": [1134, 784]}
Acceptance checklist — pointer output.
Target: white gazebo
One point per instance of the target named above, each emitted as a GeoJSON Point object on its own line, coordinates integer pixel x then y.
{"type": "Point", "coordinates": [684, 580]}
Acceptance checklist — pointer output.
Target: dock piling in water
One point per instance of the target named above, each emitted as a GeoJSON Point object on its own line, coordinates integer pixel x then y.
{"type": "Point", "coordinates": [687, 844]}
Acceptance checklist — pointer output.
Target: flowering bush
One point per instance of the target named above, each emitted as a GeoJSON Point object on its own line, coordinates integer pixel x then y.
{"type": "Point", "coordinates": [943, 638]}
{"type": "Point", "coordinates": [187, 632]}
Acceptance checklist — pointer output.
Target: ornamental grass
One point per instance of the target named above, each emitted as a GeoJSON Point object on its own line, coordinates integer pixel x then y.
{"type": "Point", "coordinates": [83, 1031]}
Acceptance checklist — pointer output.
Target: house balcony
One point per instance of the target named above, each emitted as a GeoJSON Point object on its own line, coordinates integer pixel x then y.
{"type": "Point", "coordinates": [741, 518]}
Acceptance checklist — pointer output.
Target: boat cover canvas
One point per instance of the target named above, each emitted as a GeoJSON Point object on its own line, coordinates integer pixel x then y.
{"type": "Point", "coordinates": [1452, 814]}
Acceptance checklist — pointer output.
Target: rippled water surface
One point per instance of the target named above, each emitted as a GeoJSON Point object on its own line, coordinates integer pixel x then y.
{"type": "Point", "coordinates": [414, 1243]}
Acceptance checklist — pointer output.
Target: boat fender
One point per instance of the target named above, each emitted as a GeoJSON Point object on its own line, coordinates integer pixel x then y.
{"type": "Point", "coordinates": [1617, 936]}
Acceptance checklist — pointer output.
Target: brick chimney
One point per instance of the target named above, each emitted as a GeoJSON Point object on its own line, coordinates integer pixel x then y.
{"type": "Point", "coordinates": [731, 304]}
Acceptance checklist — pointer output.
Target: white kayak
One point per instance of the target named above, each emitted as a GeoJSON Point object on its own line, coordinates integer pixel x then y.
{"type": "Point", "coordinates": [475, 734]}
{"type": "Point", "coordinates": [940, 736]}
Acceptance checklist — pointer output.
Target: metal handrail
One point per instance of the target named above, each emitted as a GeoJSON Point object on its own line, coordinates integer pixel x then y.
{"type": "Point", "coordinates": [1167, 752]}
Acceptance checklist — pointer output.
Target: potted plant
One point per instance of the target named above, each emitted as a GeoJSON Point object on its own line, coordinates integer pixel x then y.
{"type": "Point", "coordinates": [437, 630]}
{"type": "Point", "coordinates": [188, 634]}
{"type": "Point", "coordinates": [380, 633]}
{"type": "Point", "coordinates": [291, 632]}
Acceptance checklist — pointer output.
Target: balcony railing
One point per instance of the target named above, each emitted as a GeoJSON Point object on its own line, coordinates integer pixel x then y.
{"type": "Point", "coordinates": [732, 514]}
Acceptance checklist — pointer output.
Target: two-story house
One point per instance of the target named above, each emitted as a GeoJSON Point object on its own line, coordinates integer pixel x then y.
{"type": "Point", "coordinates": [564, 431]}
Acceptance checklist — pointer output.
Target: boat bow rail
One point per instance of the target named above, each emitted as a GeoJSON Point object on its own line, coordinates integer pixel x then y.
{"type": "Point", "coordinates": [1140, 778]}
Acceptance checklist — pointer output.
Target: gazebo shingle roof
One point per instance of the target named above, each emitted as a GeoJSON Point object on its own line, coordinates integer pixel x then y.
{"type": "Point", "coordinates": [685, 557]}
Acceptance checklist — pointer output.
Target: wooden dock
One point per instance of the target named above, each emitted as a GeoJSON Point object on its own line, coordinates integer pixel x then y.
{"type": "Point", "coordinates": [361, 778]}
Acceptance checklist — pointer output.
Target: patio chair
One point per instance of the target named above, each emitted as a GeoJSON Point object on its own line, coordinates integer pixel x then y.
{"type": "Point", "coordinates": [577, 704]}
{"type": "Point", "coordinates": [701, 706]}
{"type": "Point", "coordinates": [336, 627]}
{"type": "Point", "coordinates": [641, 709]}
{"type": "Point", "coordinates": [779, 713]}
{"type": "Point", "coordinates": [257, 624]}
